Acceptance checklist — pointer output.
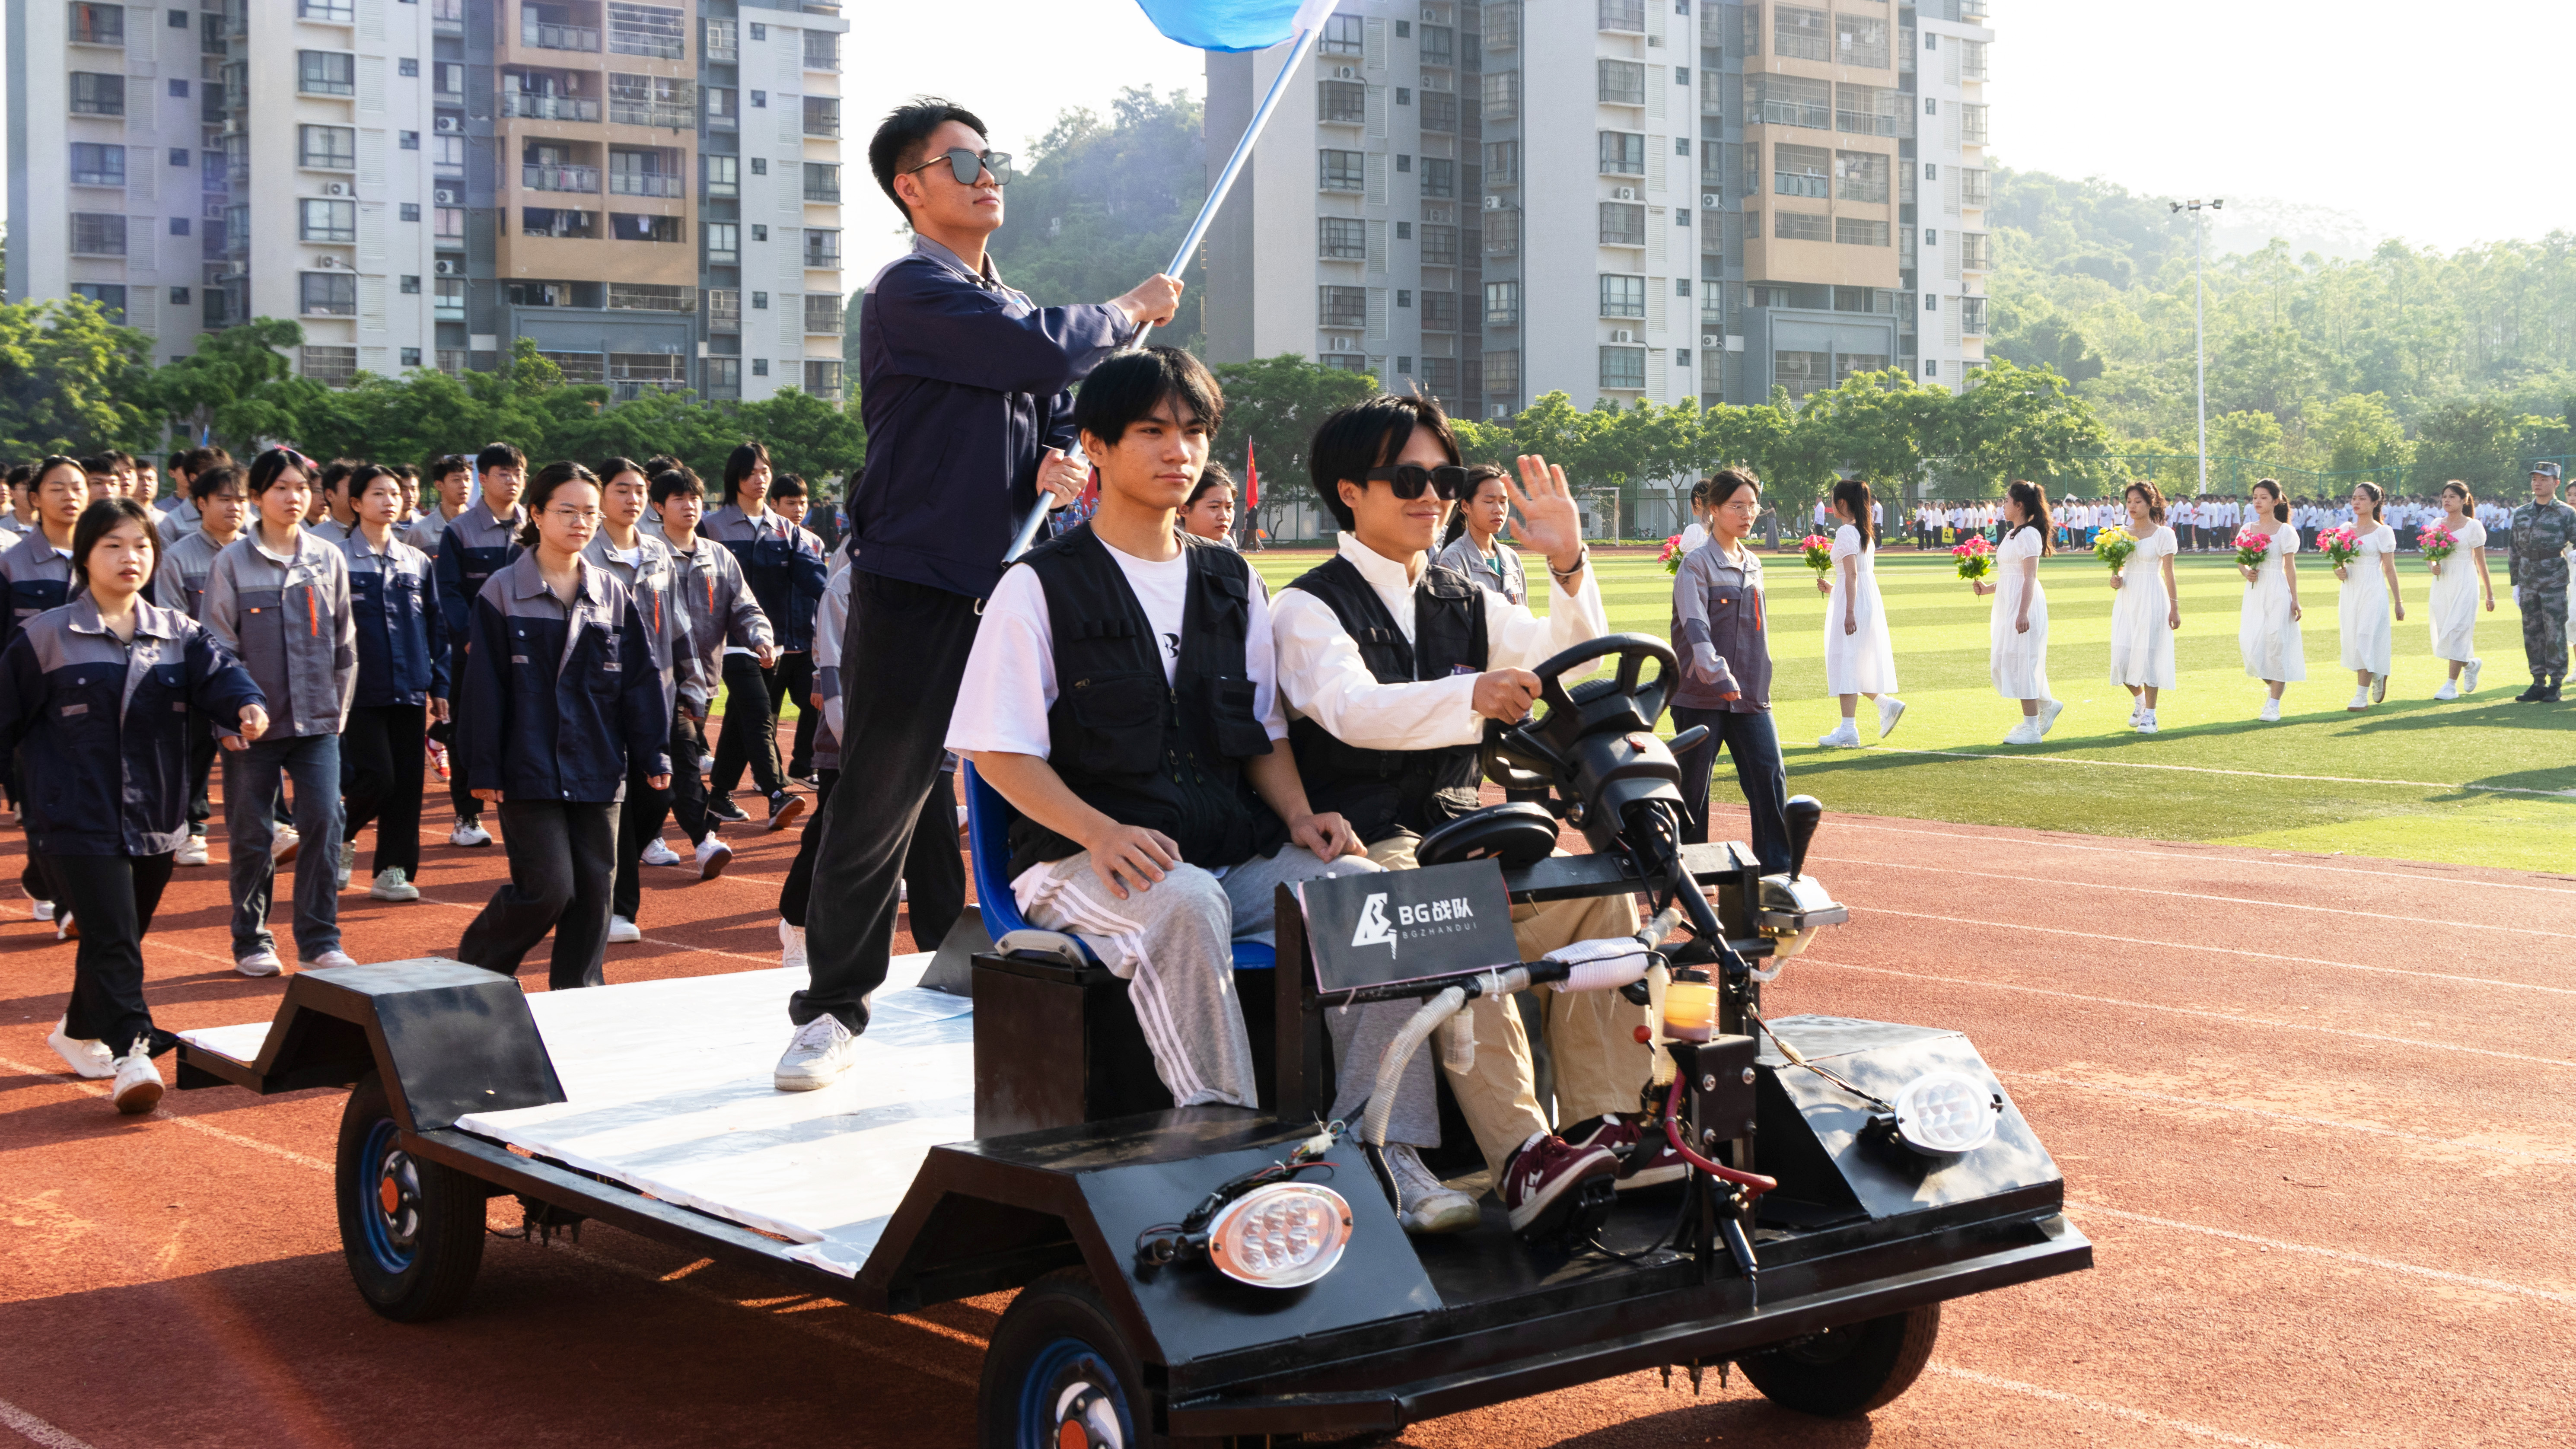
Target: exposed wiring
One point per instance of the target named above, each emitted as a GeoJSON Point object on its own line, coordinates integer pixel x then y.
{"type": "Point", "coordinates": [1754, 1184]}
{"type": "Point", "coordinates": [1165, 1242]}
{"type": "Point", "coordinates": [1797, 1059]}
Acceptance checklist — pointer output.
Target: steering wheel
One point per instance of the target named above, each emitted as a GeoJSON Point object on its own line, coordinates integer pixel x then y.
{"type": "Point", "coordinates": [1527, 756]}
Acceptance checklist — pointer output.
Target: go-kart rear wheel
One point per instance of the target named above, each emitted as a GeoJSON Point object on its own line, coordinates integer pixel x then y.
{"type": "Point", "coordinates": [1848, 1371]}
{"type": "Point", "coordinates": [1058, 1374]}
{"type": "Point", "coordinates": [412, 1230]}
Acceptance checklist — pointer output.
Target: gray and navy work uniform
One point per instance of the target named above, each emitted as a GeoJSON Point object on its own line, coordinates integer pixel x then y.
{"type": "Point", "coordinates": [36, 576]}
{"type": "Point", "coordinates": [2536, 563]}
{"type": "Point", "coordinates": [403, 664]}
{"type": "Point", "coordinates": [473, 546]}
{"type": "Point", "coordinates": [651, 573]}
{"type": "Point", "coordinates": [1718, 630]}
{"type": "Point", "coordinates": [103, 724]}
{"type": "Point", "coordinates": [784, 571]}
{"type": "Point", "coordinates": [722, 615]}
{"type": "Point", "coordinates": [566, 696]}
{"type": "Point", "coordinates": [179, 582]}
{"type": "Point", "coordinates": [179, 520]}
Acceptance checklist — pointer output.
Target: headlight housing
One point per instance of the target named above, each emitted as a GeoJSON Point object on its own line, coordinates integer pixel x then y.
{"type": "Point", "coordinates": [1945, 1113]}
{"type": "Point", "coordinates": [1280, 1236]}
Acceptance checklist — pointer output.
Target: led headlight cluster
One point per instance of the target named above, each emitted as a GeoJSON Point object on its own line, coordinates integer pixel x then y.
{"type": "Point", "coordinates": [1280, 1236]}
{"type": "Point", "coordinates": [1945, 1113]}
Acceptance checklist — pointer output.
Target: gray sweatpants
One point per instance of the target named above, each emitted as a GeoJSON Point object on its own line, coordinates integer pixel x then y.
{"type": "Point", "coordinates": [1173, 943]}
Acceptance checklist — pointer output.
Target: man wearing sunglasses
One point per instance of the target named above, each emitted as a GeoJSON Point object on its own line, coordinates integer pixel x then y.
{"type": "Point", "coordinates": [965, 387]}
{"type": "Point", "coordinates": [1391, 665]}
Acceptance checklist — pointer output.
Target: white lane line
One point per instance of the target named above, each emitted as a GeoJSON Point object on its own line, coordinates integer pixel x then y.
{"type": "Point", "coordinates": [2268, 864]}
{"type": "Point", "coordinates": [2214, 770]}
{"type": "Point", "coordinates": [37, 1430]}
{"type": "Point", "coordinates": [2231, 1017]}
{"type": "Point", "coordinates": [164, 1114]}
{"type": "Point", "coordinates": [2103, 1407]}
{"type": "Point", "coordinates": [2455, 1143]}
{"type": "Point", "coordinates": [2225, 951]}
{"type": "Point", "coordinates": [2025, 881]}
{"type": "Point", "coordinates": [2385, 1265]}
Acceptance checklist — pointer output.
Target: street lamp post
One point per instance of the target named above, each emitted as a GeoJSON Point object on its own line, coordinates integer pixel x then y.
{"type": "Point", "coordinates": [2199, 341]}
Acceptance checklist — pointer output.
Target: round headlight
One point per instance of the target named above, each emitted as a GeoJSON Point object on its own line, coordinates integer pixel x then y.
{"type": "Point", "coordinates": [1280, 1236]}
{"type": "Point", "coordinates": [1945, 1113]}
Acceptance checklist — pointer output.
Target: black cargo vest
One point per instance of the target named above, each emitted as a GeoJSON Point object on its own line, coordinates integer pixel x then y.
{"type": "Point", "coordinates": [1381, 792]}
{"type": "Point", "coordinates": [1137, 749]}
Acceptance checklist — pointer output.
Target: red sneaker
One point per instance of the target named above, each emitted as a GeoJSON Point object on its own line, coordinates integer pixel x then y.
{"type": "Point", "coordinates": [1549, 1182]}
{"type": "Point", "coordinates": [1646, 1155]}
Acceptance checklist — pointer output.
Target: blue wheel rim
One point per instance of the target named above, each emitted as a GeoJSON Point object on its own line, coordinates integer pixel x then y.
{"type": "Point", "coordinates": [1060, 1365]}
{"type": "Point", "coordinates": [388, 1232]}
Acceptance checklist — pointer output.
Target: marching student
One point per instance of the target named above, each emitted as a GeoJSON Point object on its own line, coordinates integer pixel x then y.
{"type": "Point", "coordinates": [1860, 659]}
{"type": "Point", "coordinates": [333, 516]}
{"type": "Point", "coordinates": [2017, 628]}
{"type": "Point", "coordinates": [2369, 588]}
{"type": "Point", "coordinates": [2460, 582]}
{"type": "Point", "coordinates": [779, 569]}
{"type": "Point", "coordinates": [38, 573]}
{"type": "Point", "coordinates": [722, 615]}
{"type": "Point", "coordinates": [451, 479]}
{"type": "Point", "coordinates": [1474, 544]}
{"type": "Point", "coordinates": [1210, 512]}
{"type": "Point", "coordinates": [278, 598]}
{"type": "Point", "coordinates": [2267, 622]}
{"type": "Point", "coordinates": [403, 674]}
{"type": "Point", "coordinates": [181, 518]}
{"type": "Point", "coordinates": [475, 545]}
{"type": "Point", "coordinates": [1720, 632]}
{"type": "Point", "coordinates": [100, 695]}
{"type": "Point", "coordinates": [796, 661]}
{"type": "Point", "coordinates": [565, 694]}
{"type": "Point", "coordinates": [2146, 606]}
{"type": "Point", "coordinates": [218, 502]}
{"type": "Point", "coordinates": [20, 516]}
{"type": "Point", "coordinates": [651, 574]}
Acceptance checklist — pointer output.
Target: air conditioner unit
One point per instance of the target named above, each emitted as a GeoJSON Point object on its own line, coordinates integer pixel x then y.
{"type": "Point", "coordinates": [1493, 203]}
{"type": "Point", "coordinates": [1625, 193]}
{"type": "Point", "coordinates": [325, 263]}
{"type": "Point", "coordinates": [449, 266]}
{"type": "Point", "coordinates": [335, 188]}
{"type": "Point", "coordinates": [1709, 340]}
{"type": "Point", "coordinates": [1340, 344]}
{"type": "Point", "coordinates": [1622, 334]}
{"type": "Point", "coordinates": [1346, 72]}
{"type": "Point", "coordinates": [1708, 199]}
{"type": "Point", "coordinates": [448, 123]}
{"type": "Point", "coordinates": [448, 195]}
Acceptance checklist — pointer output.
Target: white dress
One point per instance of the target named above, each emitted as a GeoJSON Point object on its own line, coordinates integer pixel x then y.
{"type": "Point", "coordinates": [1863, 661]}
{"type": "Point", "coordinates": [2454, 605]}
{"type": "Point", "coordinates": [2367, 635]}
{"type": "Point", "coordinates": [2265, 633]}
{"type": "Point", "coordinates": [2018, 661]}
{"type": "Point", "coordinates": [2142, 643]}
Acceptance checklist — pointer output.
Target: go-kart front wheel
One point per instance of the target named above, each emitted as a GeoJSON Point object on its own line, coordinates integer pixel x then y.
{"type": "Point", "coordinates": [1843, 1372]}
{"type": "Point", "coordinates": [1058, 1374]}
{"type": "Point", "coordinates": [412, 1230]}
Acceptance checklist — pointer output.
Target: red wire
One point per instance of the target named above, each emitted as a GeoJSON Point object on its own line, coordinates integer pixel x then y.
{"type": "Point", "coordinates": [1753, 1183]}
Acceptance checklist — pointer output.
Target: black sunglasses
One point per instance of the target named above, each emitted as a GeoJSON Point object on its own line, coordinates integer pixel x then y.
{"type": "Point", "coordinates": [965, 165]}
{"type": "Point", "coordinates": [1407, 480]}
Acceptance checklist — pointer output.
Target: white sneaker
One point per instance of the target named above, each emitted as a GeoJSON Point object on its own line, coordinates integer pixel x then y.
{"type": "Point", "coordinates": [2360, 701]}
{"type": "Point", "coordinates": [2378, 688]}
{"type": "Point", "coordinates": [2146, 721]}
{"type": "Point", "coordinates": [1423, 1203]}
{"type": "Point", "coordinates": [259, 963]}
{"type": "Point", "coordinates": [2049, 710]}
{"type": "Point", "coordinates": [902, 892]}
{"type": "Point", "coordinates": [284, 845]}
{"type": "Point", "coordinates": [2271, 710]}
{"type": "Point", "coordinates": [1890, 710]}
{"type": "Point", "coordinates": [333, 957]}
{"type": "Point", "coordinates": [65, 928]}
{"type": "Point", "coordinates": [192, 851]}
{"type": "Point", "coordinates": [393, 883]}
{"type": "Point", "coordinates": [713, 856]}
{"type": "Point", "coordinates": [1844, 736]}
{"type": "Point", "coordinates": [623, 932]}
{"type": "Point", "coordinates": [791, 945]}
{"type": "Point", "coordinates": [706, 764]}
{"type": "Point", "coordinates": [2025, 733]}
{"type": "Point", "coordinates": [659, 854]}
{"type": "Point", "coordinates": [469, 833]}
{"type": "Point", "coordinates": [2137, 712]}
{"type": "Point", "coordinates": [2450, 690]}
{"type": "Point", "coordinates": [822, 1050]}
{"type": "Point", "coordinates": [2469, 676]}
{"type": "Point", "coordinates": [44, 910]}
{"type": "Point", "coordinates": [90, 1059]}
{"type": "Point", "coordinates": [138, 1082]}
{"type": "Point", "coordinates": [348, 863]}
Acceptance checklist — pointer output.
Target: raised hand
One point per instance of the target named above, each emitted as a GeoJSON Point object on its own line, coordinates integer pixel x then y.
{"type": "Point", "coordinates": [1547, 521]}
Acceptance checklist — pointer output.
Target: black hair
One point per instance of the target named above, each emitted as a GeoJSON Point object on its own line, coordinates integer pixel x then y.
{"type": "Point", "coordinates": [49, 463]}
{"type": "Point", "coordinates": [2378, 500]}
{"type": "Point", "coordinates": [2280, 503]}
{"type": "Point", "coordinates": [750, 454]}
{"type": "Point", "coordinates": [673, 483]}
{"type": "Point", "coordinates": [334, 474]}
{"type": "Point", "coordinates": [99, 463]}
{"type": "Point", "coordinates": [21, 474]}
{"type": "Point", "coordinates": [1369, 434]}
{"type": "Point", "coordinates": [354, 486]}
{"type": "Point", "coordinates": [610, 468]}
{"type": "Point", "coordinates": [208, 481]}
{"type": "Point", "coordinates": [1211, 478]}
{"type": "Point", "coordinates": [447, 463]}
{"type": "Point", "coordinates": [499, 455]}
{"type": "Point", "coordinates": [2468, 500]}
{"type": "Point", "coordinates": [1477, 476]}
{"type": "Point", "coordinates": [906, 129]}
{"type": "Point", "coordinates": [104, 517]}
{"type": "Point", "coordinates": [2155, 497]}
{"type": "Point", "coordinates": [550, 478]}
{"type": "Point", "coordinates": [1725, 483]}
{"type": "Point", "coordinates": [268, 466]}
{"type": "Point", "coordinates": [2034, 508]}
{"type": "Point", "coordinates": [787, 485]}
{"type": "Point", "coordinates": [1128, 387]}
{"type": "Point", "coordinates": [1853, 493]}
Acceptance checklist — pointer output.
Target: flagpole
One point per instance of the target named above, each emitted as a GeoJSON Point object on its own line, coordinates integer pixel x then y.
{"type": "Point", "coordinates": [1300, 46]}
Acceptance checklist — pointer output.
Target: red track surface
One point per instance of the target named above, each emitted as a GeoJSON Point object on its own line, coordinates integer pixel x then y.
{"type": "Point", "coordinates": [2317, 1113]}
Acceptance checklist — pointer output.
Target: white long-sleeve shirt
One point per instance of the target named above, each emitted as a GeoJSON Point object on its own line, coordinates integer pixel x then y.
{"type": "Point", "coordinates": [1323, 678]}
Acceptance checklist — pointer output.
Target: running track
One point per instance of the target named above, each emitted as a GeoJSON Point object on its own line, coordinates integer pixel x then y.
{"type": "Point", "coordinates": [2317, 1113]}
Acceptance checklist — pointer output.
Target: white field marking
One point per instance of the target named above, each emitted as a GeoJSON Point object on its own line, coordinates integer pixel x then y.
{"type": "Point", "coordinates": [2226, 951]}
{"type": "Point", "coordinates": [2385, 1265]}
{"type": "Point", "coordinates": [2268, 864]}
{"type": "Point", "coordinates": [2214, 770]}
{"type": "Point", "coordinates": [37, 1430]}
{"type": "Point", "coordinates": [2204, 896]}
{"type": "Point", "coordinates": [2226, 1016]}
{"type": "Point", "coordinates": [163, 1114]}
{"type": "Point", "coordinates": [2104, 1407]}
{"type": "Point", "coordinates": [2456, 1144]}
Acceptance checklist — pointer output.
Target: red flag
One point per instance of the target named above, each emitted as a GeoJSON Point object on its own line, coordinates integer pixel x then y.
{"type": "Point", "coordinates": [1251, 479]}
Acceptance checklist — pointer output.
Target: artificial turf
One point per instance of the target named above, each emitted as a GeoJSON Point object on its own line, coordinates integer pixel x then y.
{"type": "Point", "coordinates": [2479, 781]}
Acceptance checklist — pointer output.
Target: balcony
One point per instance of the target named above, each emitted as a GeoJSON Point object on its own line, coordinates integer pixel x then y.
{"type": "Point", "coordinates": [645, 297]}
{"type": "Point", "coordinates": [822, 116]}
{"type": "Point", "coordinates": [647, 30]}
{"type": "Point", "coordinates": [545, 35]}
{"type": "Point", "coordinates": [822, 50]}
{"type": "Point", "coordinates": [102, 25]}
{"type": "Point", "coordinates": [644, 183]}
{"type": "Point", "coordinates": [823, 191]}
{"type": "Point", "coordinates": [531, 106]}
{"type": "Point", "coordinates": [560, 178]}
{"type": "Point", "coordinates": [724, 310]}
{"type": "Point", "coordinates": [722, 45]}
{"type": "Point", "coordinates": [447, 17]}
{"type": "Point", "coordinates": [822, 249]}
{"type": "Point", "coordinates": [1628, 15]}
{"type": "Point", "coordinates": [823, 314]}
{"type": "Point", "coordinates": [329, 12]}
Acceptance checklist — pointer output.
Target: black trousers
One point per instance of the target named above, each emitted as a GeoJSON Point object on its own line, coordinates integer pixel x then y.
{"type": "Point", "coordinates": [202, 750]}
{"type": "Point", "coordinates": [901, 661]}
{"type": "Point", "coordinates": [563, 861]}
{"type": "Point", "coordinates": [934, 874]}
{"type": "Point", "coordinates": [686, 800]}
{"type": "Point", "coordinates": [31, 876]}
{"type": "Point", "coordinates": [1754, 742]}
{"type": "Point", "coordinates": [750, 726]}
{"type": "Point", "coordinates": [796, 684]}
{"type": "Point", "coordinates": [113, 896]}
{"type": "Point", "coordinates": [639, 819]}
{"type": "Point", "coordinates": [381, 752]}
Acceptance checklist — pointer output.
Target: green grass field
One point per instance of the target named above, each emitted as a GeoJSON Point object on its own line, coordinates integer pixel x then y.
{"type": "Point", "coordinates": [2481, 781]}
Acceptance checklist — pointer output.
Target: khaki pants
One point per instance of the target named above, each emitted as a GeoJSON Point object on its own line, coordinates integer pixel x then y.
{"type": "Point", "coordinates": [1591, 1035]}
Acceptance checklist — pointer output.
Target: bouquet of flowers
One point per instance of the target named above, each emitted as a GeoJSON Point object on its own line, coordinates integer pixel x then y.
{"type": "Point", "coordinates": [1819, 551]}
{"type": "Point", "coordinates": [1671, 557]}
{"type": "Point", "coordinates": [2251, 547]}
{"type": "Point", "coordinates": [2113, 546]}
{"type": "Point", "coordinates": [2338, 544]}
{"type": "Point", "coordinates": [1976, 558]}
{"type": "Point", "coordinates": [2437, 542]}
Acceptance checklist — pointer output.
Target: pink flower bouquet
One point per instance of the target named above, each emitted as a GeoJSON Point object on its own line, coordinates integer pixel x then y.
{"type": "Point", "coordinates": [2251, 548]}
{"type": "Point", "coordinates": [1976, 558]}
{"type": "Point", "coordinates": [1819, 552]}
{"type": "Point", "coordinates": [2338, 544]}
{"type": "Point", "coordinates": [1671, 557]}
{"type": "Point", "coordinates": [2438, 543]}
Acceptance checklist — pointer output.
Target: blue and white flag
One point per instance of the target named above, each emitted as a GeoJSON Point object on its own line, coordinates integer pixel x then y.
{"type": "Point", "coordinates": [1235, 24]}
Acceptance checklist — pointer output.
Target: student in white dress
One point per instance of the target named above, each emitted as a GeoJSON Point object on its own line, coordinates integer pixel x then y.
{"type": "Point", "coordinates": [2017, 650]}
{"type": "Point", "coordinates": [2459, 582]}
{"type": "Point", "coordinates": [2267, 624]}
{"type": "Point", "coordinates": [1859, 659]}
{"type": "Point", "coordinates": [2369, 587]}
{"type": "Point", "coordinates": [1697, 533]}
{"type": "Point", "coordinates": [2146, 607]}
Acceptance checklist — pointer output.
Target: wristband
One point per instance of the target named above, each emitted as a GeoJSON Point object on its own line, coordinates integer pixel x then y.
{"type": "Point", "coordinates": [1582, 556]}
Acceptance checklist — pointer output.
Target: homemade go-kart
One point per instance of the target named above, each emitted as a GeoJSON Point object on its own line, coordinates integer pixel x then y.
{"type": "Point", "coordinates": [1217, 1275]}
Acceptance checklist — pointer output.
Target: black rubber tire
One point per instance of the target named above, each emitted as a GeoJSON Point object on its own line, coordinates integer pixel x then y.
{"type": "Point", "coordinates": [1846, 1372]}
{"type": "Point", "coordinates": [1064, 1304]}
{"type": "Point", "coordinates": [446, 1248]}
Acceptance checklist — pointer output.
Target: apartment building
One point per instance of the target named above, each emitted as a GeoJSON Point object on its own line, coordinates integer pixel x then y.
{"type": "Point", "coordinates": [650, 193]}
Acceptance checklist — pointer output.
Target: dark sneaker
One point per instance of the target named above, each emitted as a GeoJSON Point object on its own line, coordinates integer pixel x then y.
{"type": "Point", "coordinates": [725, 810]}
{"type": "Point", "coordinates": [1646, 1155]}
{"type": "Point", "coordinates": [2539, 691]}
{"type": "Point", "coordinates": [1550, 1184]}
{"type": "Point", "coordinates": [784, 808]}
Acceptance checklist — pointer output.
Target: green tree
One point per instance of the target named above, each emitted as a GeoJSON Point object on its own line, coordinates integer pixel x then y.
{"type": "Point", "coordinates": [2019, 423]}
{"type": "Point", "coordinates": [2477, 441]}
{"type": "Point", "coordinates": [1884, 426]}
{"type": "Point", "coordinates": [1103, 205]}
{"type": "Point", "coordinates": [1272, 406]}
{"type": "Point", "coordinates": [806, 435]}
{"type": "Point", "coordinates": [72, 380]}
{"type": "Point", "coordinates": [239, 389]}
{"type": "Point", "coordinates": [2252, 436]}
{"type": "Point", "coordinates": [2359, 432]}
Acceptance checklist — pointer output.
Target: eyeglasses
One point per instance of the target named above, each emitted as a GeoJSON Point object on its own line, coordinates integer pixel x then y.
{"type": "Point", "coordinates": [586, 515]}
{"type": "Point", "coordinates": [965, 165]}
{"type": "Point", "coordinates": [1407, 480]}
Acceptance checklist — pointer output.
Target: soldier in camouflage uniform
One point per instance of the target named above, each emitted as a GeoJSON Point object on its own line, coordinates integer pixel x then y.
{"type": "Point", "coordinates": [2543, 530]}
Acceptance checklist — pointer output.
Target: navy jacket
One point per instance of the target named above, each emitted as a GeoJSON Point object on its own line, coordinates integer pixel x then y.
{"type": "Point", "coordinates": [402, 631]}
{"type": "Point", "coordinates": [37, 579]}
{"type": "Point", "coordinates": [562, 697]}
{"type": "Point", "coordinates": [106, 726]}
{"type": "Point", "coordinates": [962, 384]}
{"type": "Point", "coordinates": [781, 562]}
{"type": "Point", "coordinates": [474, 547]}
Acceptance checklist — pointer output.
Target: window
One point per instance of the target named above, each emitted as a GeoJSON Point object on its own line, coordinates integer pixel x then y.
{"type": "Point", "coordinates": [1972, 125]}
{"type": "Point", "coordinates": [558, 222]}
{"type": "Point", "coordinates": [1976, 188]}
{"type": "Point", "coordinates": [1341, 170]}
{"type": "Point", "coordinates": [447, 303]}
{"type": "Point", "coordinates": [329, 294]}
{"type": "Point", "coordinates": [1799, 33]}
{"type": "Point", "coordinates": [1972, 316]}
{"type": "Point", "coordinates": [1341, 307]}
{"type": "Point", "coordinates": [1404, 165]}
{"type": "Point", "coordinates": [448, 223]}
{"type": "Point", "coordinates": [327, 221]}
{"type": "Point", "coordinates": [410, 211]}
{"type": "Point", "coordinates": [109, 296]}
{"type": "Point", "coordinates": [1800, 170]}
{"type": "Point", "coordinates": [1931, 236]}
{"type": "Point", "coordinates": [1865, 110]}
{"type": "Point", "coordinates": [1790, 225]}
{"type": "Point", "coordinates": [1439, 177]}
{"type": "Point", "coordinates": [409, 65]}
{"type": "Point", "coordinates": [724, 309]}
{"type": "Point", "coordinates": [1860, 232]}
{"type": "Point", "coordinates": [1860, 176]}
{"type": "Point", "coordinates": [760, 100]}
{"type": "Point", "coordinates": [1623, 367]}
{"type": "Point", "coordinates": [823, 380]}
{"type": "Point", "coordinates": [1623, 153]}
{"type": "Point", "coordinates": [95, 165]}
{"type": "Point", "coordinates": [647, 30]}
{"type": "Point", "coordinates": [1788, 100]}
{"type": "Point", "coordinates": [724, 176]}
{"type": "Point", "coordinates": [1404, 95]}
{"type": "Point", "coordinates": [178, 295]}
{"type": "Point", "coordinates": [178, 155]}
{"type": "Point", "coordinates": [98, 25]}
{"type": "Point", "coordinates": [1620, 82]}
{"type": "Point", "coordinates": [1976, 251]}
{"type": "Point", "coordinates": [97, 234]}
{"type": "Point", "coordinates": [577, 366]}
{"type": "Point", "coordinates": [1502, 163]}
{"type": "Point", "coordinates": [759, 232]}
{"type": "Point", "coordinates": [759, 31]}
{"type": "Point", "coordinates": [1931, 367]}
{"type": "Point", "coordinates": [1439, 246]}
{"type": "Point", "coordinates": [1439, 111]}
{"type": "Point", "coordinates": [823, 313]}
{"type": "Point", "coordinates": [447, 78]}
{"type": "Point", "coordinates": [1622, 296]}
{"type": "Point", "coordinates": [760, 367]}
{"type": "Point", "coordinates": [760, 301]}
{"type": "Point", "coordinates": [97, 95]}
{"type": "Point", "coordinates": [1931, 302]}
{"type": "Point", "coordinates": [1342, 35]}
{"type": "Point", "coordinates": [822, 115]}
{"type": "Point", "coordinates": [1623, 14]}
{"type": "Point", "coordinates": [408, 140]}
{"type": "Point", "coordinates": [178, 226]}
{"type": "Point", "coordinates": [628, 226]}
{"type": "Point", "coordinates": [1502, 304]}
{"type": "Point", "coordinates": [724, 241]}
{"type": "Point", "coordinates": [822, 50]}
{"type": "Point", "coordinates": [411, 284]}
{"type": "Point", "coordinates": [1344, 362]}
{"type": "Point", "coordinates": [337, 12]}
{"type": "Point", "coordinates": [1802, 373]}
{"type": "Point", "coordinates": [1404, 231]}
{"type": "Point", "coordinates": [1440, 311]}
{"type": "Point", "coordinates": [1860, 40]}
{"type": "Point", "coordinates": [647, 297]}
{"type": "Point", "coordinates": [1341, 238]}
{"type": "Point", "coordinates": [1502, 375]}
{"type": "Point", "coordinates": [822, 247]}
{"type": "Point", "coordinates": [724, 376]}
{"type": "Point", "coordinates": [1502, 92]}
{"type": "Point", "coordinates": [822, 181]}
{"type": "Point", "coordinates": [178, 88]}
{"type": "Point", "coordinates": [326, 148]}
{"type": "Point", "coordinates": [326, 72]}
{"type": "Point", "coordinates": [722, 104]}
{"type": "Point", "coordinates": [1341, 103]}
{"type": "Point", "coordinates": [1623, 224]}
{"type": "Point", "coordinates": [411, 357]}
{"type": "Point", "coordinates": [759, 165]}
{"type": "Point", "coordinates": [1403, 364]}
{"type": "Point", "coordinates": [1404, 297]}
